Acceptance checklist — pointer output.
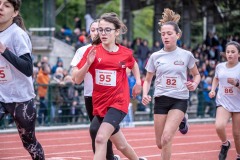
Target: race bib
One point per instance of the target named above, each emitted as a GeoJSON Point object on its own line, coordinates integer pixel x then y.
{"type": "Point", "coordinates": [171, 82]}
{"type": "Point", "coordinates": [106, 77]}
{"type": "Point", "coordinates": [229, 90]}
{"type": "Point", "coordinates": [5, 74]}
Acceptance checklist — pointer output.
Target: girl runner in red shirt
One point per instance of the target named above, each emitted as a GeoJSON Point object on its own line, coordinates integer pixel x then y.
{"type": "Point", "coordinates": [88, 87]}
{"type": "Point", "coordinates": [107, 63]}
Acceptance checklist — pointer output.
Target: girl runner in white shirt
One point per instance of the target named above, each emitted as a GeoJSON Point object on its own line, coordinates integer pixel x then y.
{"type": "Point", "coordinates": [16, 69]}
{"type": "Point", "coordinates": [171, 94]}
{"type": "Point", "coordinates": [227, 78]}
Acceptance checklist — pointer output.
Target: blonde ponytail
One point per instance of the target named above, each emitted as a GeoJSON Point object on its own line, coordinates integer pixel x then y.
{"type": "Point", "coordinates": [170, 18]}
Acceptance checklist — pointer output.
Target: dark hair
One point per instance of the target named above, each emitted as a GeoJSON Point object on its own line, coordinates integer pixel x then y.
{"type": "Point", "coordinates": [111, 18]}
{"type": "Point", "coordinates": [18, 19]}
{"type": "Point", "coordinates": [170, 18]}
{"type": "Point", "coordinates": [236, 44]}
{"type": "Point", "coordinates": [89, 36]}
{"type": "Point", "coordinates": [96, 20]}
{"type": "Point", "coordinates": [44, 66]}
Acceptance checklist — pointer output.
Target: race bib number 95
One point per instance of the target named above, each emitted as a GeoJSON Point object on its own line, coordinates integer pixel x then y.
{"type": "Point", "coordinates": [106, 77]}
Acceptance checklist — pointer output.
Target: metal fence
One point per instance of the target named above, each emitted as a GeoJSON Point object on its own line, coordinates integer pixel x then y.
{"type": "Point", "coordinates": [64, 105]}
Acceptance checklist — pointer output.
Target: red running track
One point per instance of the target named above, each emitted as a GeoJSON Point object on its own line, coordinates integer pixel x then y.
{"type": "Point", "coordinates": [200, 143]}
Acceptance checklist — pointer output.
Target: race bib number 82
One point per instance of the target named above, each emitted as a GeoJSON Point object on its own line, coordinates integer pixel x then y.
{"type": "Point", "coordinates": [171, 81]}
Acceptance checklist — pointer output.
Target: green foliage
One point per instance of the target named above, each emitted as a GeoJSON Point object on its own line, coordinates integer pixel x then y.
{"type": "Point", "coordinates": [143, 20]}
{"type": "Point", "coordinates": [32, 13]}
{"type": "Point", "coordinates": [72, 9]}
{"type": "Point", "coordinates": [196, 33]}
{"type": "Point", "coordinates": [111, 6]}
{"type": "Point", "coordinates": [143, 24]}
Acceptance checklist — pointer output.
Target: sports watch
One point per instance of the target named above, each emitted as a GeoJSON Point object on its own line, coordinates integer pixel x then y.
{"type": "Point", "coordinates": [237, 84]}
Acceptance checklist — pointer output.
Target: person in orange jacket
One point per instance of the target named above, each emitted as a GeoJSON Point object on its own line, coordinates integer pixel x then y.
{"type": "Point", "coordinates": [42, 81]}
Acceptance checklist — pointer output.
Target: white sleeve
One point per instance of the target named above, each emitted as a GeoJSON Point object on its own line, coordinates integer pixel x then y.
{"type": "Point", "coordinates": [78, 55]}
{"type": "Point", "coordinates": [192, 61]}
{"type": "Point", "coordinates": [22, 44]}
{"type": "Point", "coordinates": [150, 65]}
{"type": "Point", "coordinates": [216, 71]}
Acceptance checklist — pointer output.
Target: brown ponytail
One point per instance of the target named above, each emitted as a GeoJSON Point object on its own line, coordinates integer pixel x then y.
{"type": "Point", "coordinates": [19, 21]}
{"type": "Point", "coordinates": [96, 40]}
{"type": "Point", "coordinates": [169, 15]}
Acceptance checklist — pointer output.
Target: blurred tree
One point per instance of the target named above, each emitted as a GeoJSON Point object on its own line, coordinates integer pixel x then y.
{"type": "Point", "coordinates": [32, 13]}
{"type": "Point", "coordinates": [71, 9]}
{"type": "Point", "coordinates": [111, 6]}
{"type": "Point", "coordinates": [230, 11]}
{"type": "Point", "coordinates": [143, 19]}
{"type": "Point", "coordinates": [143, 24]}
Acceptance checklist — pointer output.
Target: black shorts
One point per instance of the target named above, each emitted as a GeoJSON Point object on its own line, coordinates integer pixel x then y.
{"type": "Point", "coordinates": [114, 117]}
{"type": "Point", "coordinates": [163, 104]}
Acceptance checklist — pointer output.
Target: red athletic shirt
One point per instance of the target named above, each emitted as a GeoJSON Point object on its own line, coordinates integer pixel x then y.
{"type": "Point", "coordinates": [110, 82]}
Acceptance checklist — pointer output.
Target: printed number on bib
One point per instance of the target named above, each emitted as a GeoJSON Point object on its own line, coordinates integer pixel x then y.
{"type": "Point", "coordinates": [229, 90]}
{"type": "Point", "coordinates": [106, 77]}
{"type": "Point", "coordinates": [171, 81]}
{"type": "Point", "coordinates": [5, 74]}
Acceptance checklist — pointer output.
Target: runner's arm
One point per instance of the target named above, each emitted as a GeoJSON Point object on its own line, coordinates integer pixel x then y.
{"type": "Point", "coordinates": [23, 63]}
{"type": "Point", "coordinates": [79, 74]}
{"type": "Point", "coordinates": [146, 87]}
{"type": "Point", "coordinates": [147, 83]}
{"type": "Point", "coordinates": [136, 73]}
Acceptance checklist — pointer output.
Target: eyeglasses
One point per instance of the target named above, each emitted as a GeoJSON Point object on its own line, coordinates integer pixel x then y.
{"type": "Point", "coordinates": [106, 30]}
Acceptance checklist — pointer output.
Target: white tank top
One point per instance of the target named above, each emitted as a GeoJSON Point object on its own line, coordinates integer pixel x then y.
{"type": "Point", "coordinates": [228, 95]}
{"type": "Point", "coordinates": [171, 72]}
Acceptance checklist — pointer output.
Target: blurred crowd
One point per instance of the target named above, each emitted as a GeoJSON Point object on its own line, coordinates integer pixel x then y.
{"type": "Point", "coordinates": [55, 87]}
{"type": "Point", "coordinates": [58, 96]}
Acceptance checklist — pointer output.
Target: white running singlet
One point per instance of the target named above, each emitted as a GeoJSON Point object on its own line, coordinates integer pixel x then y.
{"type": "Point", "coordinates": [171, 72]}
{"type": "Point", "coordinates": [228, 95]}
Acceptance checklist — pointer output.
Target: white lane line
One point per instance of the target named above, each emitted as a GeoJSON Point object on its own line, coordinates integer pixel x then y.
{"type": "Point", "coordinates": [143, 147]}
{"type": "Point", "coordinates": [63, 158]}
{"type": "Point", "coordinates": [184, 153]}
{"type": "Point", "coordinates": [88, 137]}
{"type": "Point", "coordinates": [89, 143]}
